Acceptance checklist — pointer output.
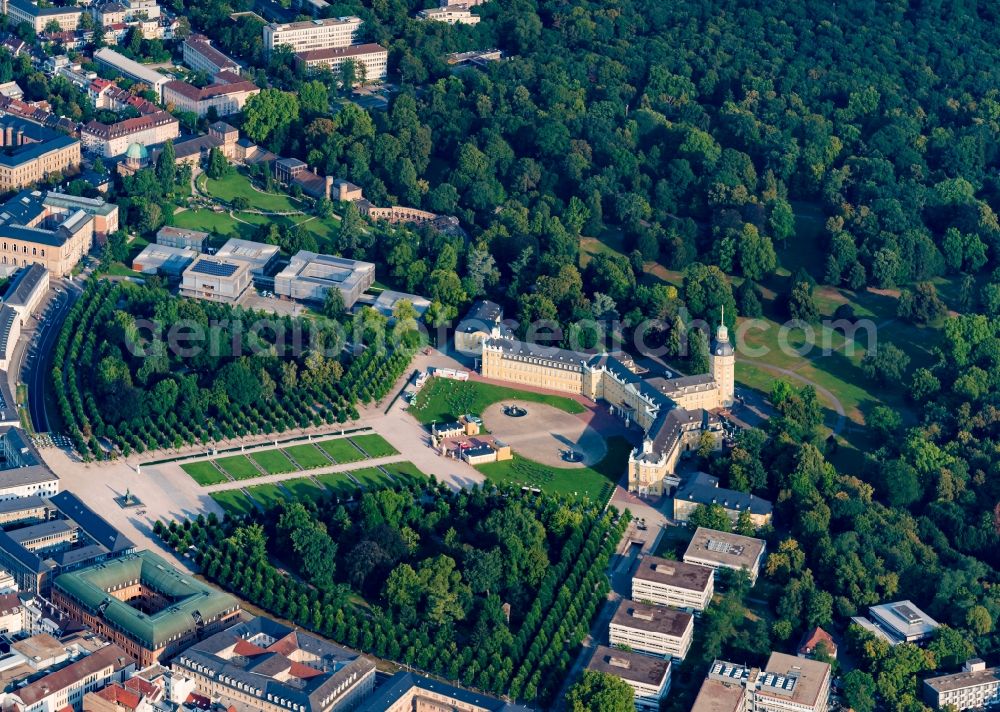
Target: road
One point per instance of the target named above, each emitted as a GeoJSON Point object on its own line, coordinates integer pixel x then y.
{"type": "Point", "coordinates": [37, 364]}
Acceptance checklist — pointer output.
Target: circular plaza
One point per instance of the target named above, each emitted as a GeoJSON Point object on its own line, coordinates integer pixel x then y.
{"type": "Point", "coordinates": [546, 434]}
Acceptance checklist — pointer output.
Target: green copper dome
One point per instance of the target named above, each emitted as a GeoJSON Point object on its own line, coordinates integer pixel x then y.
{"type": "Point", "coordinates": [137, 150]}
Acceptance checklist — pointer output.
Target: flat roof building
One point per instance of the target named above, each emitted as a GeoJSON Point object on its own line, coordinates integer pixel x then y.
{"type": "Point", "coordinates": [903, 622]}
{"type": "Point", "coordinates": [216, 280]}
{"type": "Point", "coordinates": [975, 687]}
{"type": "Point", "coordinates": [145, 605]}
{"type": "Point", "coordinates": [181, 237]}
{"type": "Point", "coordinates": [371, 61]}
{"type": "Point", "coordinates": [201, 56]}
{"type": "Point", "coordinates": [725, 550]}
{"type": "Point", "coordinates": [786, 684]}
{"type": "Point", "coordinates": [312, 34]}
{"type": "Point", "coordinates": [309, 276]}
{"type": "Point", "coordinates": [672, 583]}
{"type": "Point", "coordinates": [653, 630]}
{"type": "Point", "coordinates": [257, 255]}
{"type": "Point", "coordinates": [648, 677]}
{"type": "Point", "coordinates": [408, 691]}
{"type": "Point", "coordinates": [450, 14]}
{"type": "Point", "coordinates": [160, 259]}
{"type": "Point", "coordinates": [132, 70]}
{"type": "Point", "coordinates": [388, 299]}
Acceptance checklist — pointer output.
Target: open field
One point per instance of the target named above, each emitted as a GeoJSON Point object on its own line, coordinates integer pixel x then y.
{"type": "Point", "coordinates": [375, 445]}
{"type": "Point", "coordinates": [204, 473]}
{"type": "Point", "coordinates": [238, 467]}
{"type": "Point", "coordinates": [595, 483]}
{"type": "Point", "coordinates": [442, 399]}
{"type": "Point", "coordinates": [274, 462]}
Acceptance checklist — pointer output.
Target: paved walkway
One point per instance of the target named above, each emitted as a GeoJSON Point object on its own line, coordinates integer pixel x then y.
{"type": "Point", "coordinates": [838, 407]}
{"type": "Point", "coordinates": [545, 432]}
{"type": "Point", "coordinates": [299, 474]}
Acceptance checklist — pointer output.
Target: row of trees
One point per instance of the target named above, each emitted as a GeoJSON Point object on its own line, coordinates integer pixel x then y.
{"type": "Point", "coordinates": [470, 585]}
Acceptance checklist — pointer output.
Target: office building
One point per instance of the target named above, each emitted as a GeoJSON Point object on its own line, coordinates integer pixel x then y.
{"type": "Point", "coordinates": [45, 536]}
{"type": "Point", "coordinates": [105, 214]}
{"type": "Point", "coordinates": [408, 691]}
{"type": "Point", "coordinates": [258, 256]}
{"type": "Point", "coordinates": [216, 280]}
{"type": "Point", "coordinates": [702, 490]}
{"type": "Point", "coordinates": [201, 56]}
{"type": "Point", "coordinates": [648, 677]}
{"type": "Point", "coordinates": [265, 665]}
{"type": "Point", "coordinates": [725, 550]}
{"type": "Point", "coordinates": [38, 16]}
{"type": "Point", "coordinates": [975, 687]}
{"type": "Point", "coordinates": [371, 61]}
{"type": "Point", "coordinates": [227, 94]}
{"type": "Point", "coordinates": [27, 290]}
{"type": "Point", "coordinates": [49, 230]}
{"type": "Point", "coordinates": [653, 630]}
{"type": "Point", "coordinates": [450, 14]}
{"type": "Point", "coordinates": [672, 583]}
{"type": "Point", "coordinates": [786, 684]}
{"type": "Point", "coordinates": [132, 70]}
{"type": "Point", "coordinates": [143, 604]}
{"type": "Point", "coordinates": [312, 34]}
{"type": "Point", "coordinates": [899, 622]}
{"type": "Point", "coordinates": [160, 259]}
{"type": "Point", "coordinates": [181, 238]}
{"type": "Point", "coordinates": [30, 153]}
{"type": "Point", "coordinates": [22, 472]}
{"type": "Point", "coordinates": [111, 140]}
{"type": "Point", "coordinates": [309, 276]}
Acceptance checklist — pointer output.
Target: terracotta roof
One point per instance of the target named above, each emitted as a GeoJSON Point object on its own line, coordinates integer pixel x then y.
{"type": "Point", "coordinates": [143, 687]}
{"type": "Point", "coordinates": [814, 637]}
{"type": "Point", "coordinates": [120, 696]}
{"type": "Point", "coordinates": [128, 126]}
{"type": "Point", "coordinates": [247, 649]}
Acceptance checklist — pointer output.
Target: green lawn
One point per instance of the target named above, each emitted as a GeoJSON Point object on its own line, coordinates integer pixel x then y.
{"type": "Point", "coordinates": [238, 467]}
{"type": "Point", "coordinates": [268, 495]}
{"type": "Point", "coordinates": [238, 185]}
{"type": "Point", "coordinates": [375, 445]}
{"type": "Point", "coordinates": [275, 462]}
{"type": "Point", "coordinates": [443, 399]}
{"type": "Point", "coordinates": [210, 221]}
{"type": "Point", "coordinates": [303, 488]}
{"type": "Point", "coordinates": [338, 483]}
{"type": "Point", "coordinates": [371, 477]}
{"type": "Point", "coordinates": [308, 456]}
{"type": "Point", "coordinates": [595, 482]}
{"type": "Point", "coordinates": [204, 472]}
{"type": "Point", "coordinates": [341, 450]}
{"type": "Point", "coordinates": [406, 472]}
{"type": "Point", "coordinates": [233, 501]}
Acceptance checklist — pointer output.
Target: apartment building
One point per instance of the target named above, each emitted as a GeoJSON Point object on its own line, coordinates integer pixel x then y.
{"type": "Point", "coordinates": [312, 34]}
{"type": "Point", "coordinates": [654, 630]}
{"type": "Point", "coordinates": [67, 686]}
{"type": "Point", "coordinates": [227, 94]}
{"type": "Point", "coordinates": [672, 583]}
{"type": "Point", "coordinates": [201, 56]}
{"type": "Point", "coordinates": [18, 11]}
{"type": "Point", "coordinates": [786, 684]}
{"type": "Point", "coordinates": [371, 61]}
{"type": "Point", "coordinates": [30, 153]}
{"type": "Point", "coordinates": [648, 677]}
{"type": "Point", "coordinates": [975, 687]}
{"type": "Point", "coordinates": [111, 140]}
{"type": "Point", "coordinates": [725, 550]}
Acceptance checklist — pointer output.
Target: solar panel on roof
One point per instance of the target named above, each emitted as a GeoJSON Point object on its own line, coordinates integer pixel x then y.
{"type": "Point", "coordinates": [215, 269]}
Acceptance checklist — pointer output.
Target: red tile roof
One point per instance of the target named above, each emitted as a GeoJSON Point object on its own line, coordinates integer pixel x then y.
{"type": "Point", "coordinates": [120, 696]}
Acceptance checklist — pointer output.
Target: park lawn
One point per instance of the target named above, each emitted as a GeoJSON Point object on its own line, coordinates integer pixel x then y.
{"type": "Point", "coordinates": [274, 462]}
{"type": "Point", "coordinates": [238, 467]}
{"type": "Point", "coordinates": [303, 488]}
{"type": "Point", "coordinates": [234, 502]}
{"type": "Point", "coordinates": [375, 445]}
{"type": "Point", "coordinates": [371, 478]}
{"type": "Point", "coordinates": [338, 483]}
{"type": "Point", "coordinates": [405, 472]}
{"type": "Point", "coordinates": [341, 450]}
{"type": "Point", "coordinates": [210, 221]}
{"type": "Point", "coordinates": [595, 483]}
{"type": "Point", "coordinates": [443, 399]}
{"type": "Point", "coordinates": [268, 495]}
{"type": "Point", "coordinates": [308, 456]}
{"type": "Point", "coordinates": [238, 185]}
{"type": "Point", "coordinates": [204, 472]}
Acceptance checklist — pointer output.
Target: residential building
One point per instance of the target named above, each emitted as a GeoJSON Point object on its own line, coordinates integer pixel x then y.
{"type": "Point", "coordinates": [257, 255]}
{"type": "Point", "coordinates": [145, 605]}
{"type": "Point", "coordinates": [117, 698]}
{"type": "Point", "coordinates": [265, 665]}
{"type": "Point", "coordinates": [67, 536]}
{"type": "Point", "coordinates": [132, 70]}
{"type": "Point", "coordinates": [702, 490]}
{"type": "Point", "coordinates": [182, 238]}
{"type": "Point", "coordinates": [111, 140]}
{"type": "Point", "coordinates": [109, 13]}
{"type": "Point", "coordinates": [160, 259]}
{"type": "Point", "coordinates": [725, 550]}
{"type": "Point", "coordinates": [786, 684]}
{"type": "Point", "coordinates": [309, 276]}
{"type": "Point", "coordinates": [654, 630]}
{"type": "Point", "coordinates": [451, 14]}
{"type": "Point", "coordinates": [30, 153]}
{"type": "Point", "coordinates": [899, 622]}
{"type": "Point", "coordinates": [67, 686]}
{"type": "Point", "coordinates": [37, 114]}
{"type": "Point", "coordinates": [11, 609]}
{"type": "Point", "coordinates": [226, 95]}
{"type": "Point", "coordinates": [312, 34]}
{"type": "Point", "coordinates": [216, 280]}
{"type": "Point", "coordinates": [816, 640]}
{"type": "Point", "coordinates": [46, 229]}
{"type": "Point", "coordinates": [408, 691]}
{"type": "Point", "coordinates": [672, 583]}
{"type": "Point", "coordinates": [108, 95]}
{"type": "Point", "coordinates": [975, 687]}
{"type": "Point", "coordinates": [648, 677]}
{"type": "Point", "coordinates": [18, 11]}
{"type": "Point", "coordinates": [201, 56]}
{"type": "Point", "coordinates": [371, 61]}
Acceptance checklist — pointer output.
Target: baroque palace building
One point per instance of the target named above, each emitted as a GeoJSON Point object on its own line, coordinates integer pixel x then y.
{"type": "Point", "coordinates": [672, 412]}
